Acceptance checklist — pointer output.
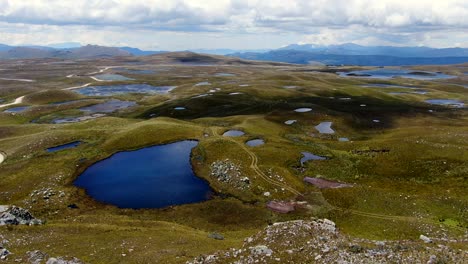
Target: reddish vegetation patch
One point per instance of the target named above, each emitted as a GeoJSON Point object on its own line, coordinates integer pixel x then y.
{"type": "Point", "coordinates": [323, 183]}
{"type": "Point", "coordinates": [281, 206]}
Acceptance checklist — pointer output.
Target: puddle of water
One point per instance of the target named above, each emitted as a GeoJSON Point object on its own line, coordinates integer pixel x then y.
{"type": "Point", "coordinates": [302, 110]}
{"type": "Point", "coordinates": [446, 102]}
{"type": "Point", "coordinates": [255, 142]}
{"type": "Point", "coordinates": [201, 95]}
{"type": "Point", "coordinates": [413, 92]}
{"type": "Point", "coordinates": [235, 93]}
{"type": "Point", "coordinates": [290, 87]}
{"type": "Point", "coordinates": [224, 74]}
{"type": "Point", "coordinates": [136, 71]}
{"type": "Point", "coordinates": [343, 139]}
{"type": "Point", "coordinates": [306, 156]}
{"type": "Point", "coordinates": [18, 109]}
{"type": "Point", "coordinates": [152, 177]}
{"type": "Point", "coordinates": [112, 77]}
{"type": "Point", "coordinates": [383, 85]}
{"type": "Point", "coordinates": [70, 145]}
{"type": "Point", "coordinates": [233, 133]}
{"type": "Point", "coordinates": [203, 84]}
{"type": "Point", "coordinates": [76, 119]}
{"type": "Point", "coordinates": [179, 108]}
{"type": "Point", "coordinates": [325, 128]}
{"type": "Point", "coordinates": [108, 107]}
{"type": "Point", "coordinates": [109, 90]}
{"type": "Point", "coordinates": [290, 122]}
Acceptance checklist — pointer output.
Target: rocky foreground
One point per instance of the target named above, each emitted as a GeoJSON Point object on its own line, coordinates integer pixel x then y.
{"type": "Point", "coordinates": [319, 241]}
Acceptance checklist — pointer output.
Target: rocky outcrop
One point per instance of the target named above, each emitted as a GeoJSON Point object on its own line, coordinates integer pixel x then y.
{"type": "Point", "coordinates": [38, 257]}
{"type": "Point", "coordinates": [17, 216]}
{"type": "Point", "coordinates": [229, 173]}
{"type": "Point", "coordinates": [319, 241]}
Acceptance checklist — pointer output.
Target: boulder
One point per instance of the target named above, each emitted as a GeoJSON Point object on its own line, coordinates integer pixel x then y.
{"type": "Point", "coordinates": [261, 250]}
{"type": "Point", "coordinates": [18, 216]}
{"type": "Point", "coordinates": [425, 239]}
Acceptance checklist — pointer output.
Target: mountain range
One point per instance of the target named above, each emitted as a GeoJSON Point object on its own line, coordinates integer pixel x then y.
{"type": "Point", "coordinates": [344, 54]}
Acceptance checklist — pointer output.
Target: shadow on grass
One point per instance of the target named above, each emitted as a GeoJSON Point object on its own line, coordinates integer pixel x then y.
{"type": "Point", "coordinates": [357, 116]}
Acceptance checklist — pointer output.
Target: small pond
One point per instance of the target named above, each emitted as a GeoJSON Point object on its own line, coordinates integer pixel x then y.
{"type": "Point", "coordinates": [233, 133]}
{"type": "Point", "coordinates": [67, 120]}
{"type": "Point", "coordinates": [306, 156]}
{"type": "Point", "coordinates": [152, 177]}
{"type": "Point", "coordinates": [108, 107]}
{"type": "Point", "coordinates": [384, 85]}
{"type": "Point", "coordinates": [290, 122]}
{"type": "Point", "coordinates": [109, 90]}
{"type": "Point", "coordinates": [70, 145]}
{"type": "Point", "coordinates": [302, 110]}
{"type": "Point", "coordinates": [413, 92]}
{"type": "Point", "coordinates": [325, 128]}
{"type": "Point", "coordinates": [18, 109]}
{"type": "Point", "coordinates": [446, 102]}
{"type": "Point", "coordinates": [136, 71]}
{"type": "Point", "coordinates": [112, 77]}
{"type": "Point", "coordinates": [343, 139]}
{"type": "Point", "coordinates": [179, 108]}
{"type": "Point", "coordinates": [203, 84]}
{"type": "Point", "coordinates": [255, 142]}
{"type": "Point", "coordinates": [224, 74]}
{"type": "Point", "coordinates": [384, 73]}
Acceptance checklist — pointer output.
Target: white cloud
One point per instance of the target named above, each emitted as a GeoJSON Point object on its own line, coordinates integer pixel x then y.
{"type": "Point", "coordinates": [321, 21]}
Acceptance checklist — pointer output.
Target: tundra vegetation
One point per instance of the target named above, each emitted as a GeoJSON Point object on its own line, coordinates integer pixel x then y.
{"type": "Point", "coordinates": [401, 176]}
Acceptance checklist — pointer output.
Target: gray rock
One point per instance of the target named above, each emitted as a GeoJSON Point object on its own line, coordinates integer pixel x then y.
{"type": "Point", "coordinates": [425, 239]}
{"type": "Point", "coordinates": [18, 216]}
{"type": "Point", "coordinates": [261, 250]}
{"type": "Point", "coordinates": [36, 256]}
{"type": "Point", "coordinates": [60, 260]}
{"type": "Point", "coordinates": [216, 236]}
{"type": "Point", "coordinates": [4, 253]}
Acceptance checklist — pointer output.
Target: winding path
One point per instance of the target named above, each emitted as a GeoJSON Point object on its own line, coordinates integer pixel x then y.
{"type": "Point", "coordinates": [254, 165]}
{"type": "Point", "coordinates": [18, 80]}
{"type": "Point", "coordinates": [77, 87]}
{"type": "Point", "coordinates": [18, 100]}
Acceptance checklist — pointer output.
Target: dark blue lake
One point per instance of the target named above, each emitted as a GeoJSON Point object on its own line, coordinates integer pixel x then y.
{"type": "Point", "coordinates": [73, 144]}
{"type": "Point", "coordinates": [152, 177]}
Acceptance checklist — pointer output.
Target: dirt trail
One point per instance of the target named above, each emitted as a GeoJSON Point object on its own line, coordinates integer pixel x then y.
{"type": "Point", "coordinates": [77, 87]}
{"type": "Point", "coordinates": [254, 165]}
{"type": "Point", "coordinates": [18, 100]}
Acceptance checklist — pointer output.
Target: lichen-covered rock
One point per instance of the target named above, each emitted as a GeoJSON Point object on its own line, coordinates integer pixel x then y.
{"type": "Point", "coordinates": [18, 216]}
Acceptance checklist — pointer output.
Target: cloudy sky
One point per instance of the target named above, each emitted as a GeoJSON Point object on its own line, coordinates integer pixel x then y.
{"type": "Point", "coordinates": [234, 24]}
